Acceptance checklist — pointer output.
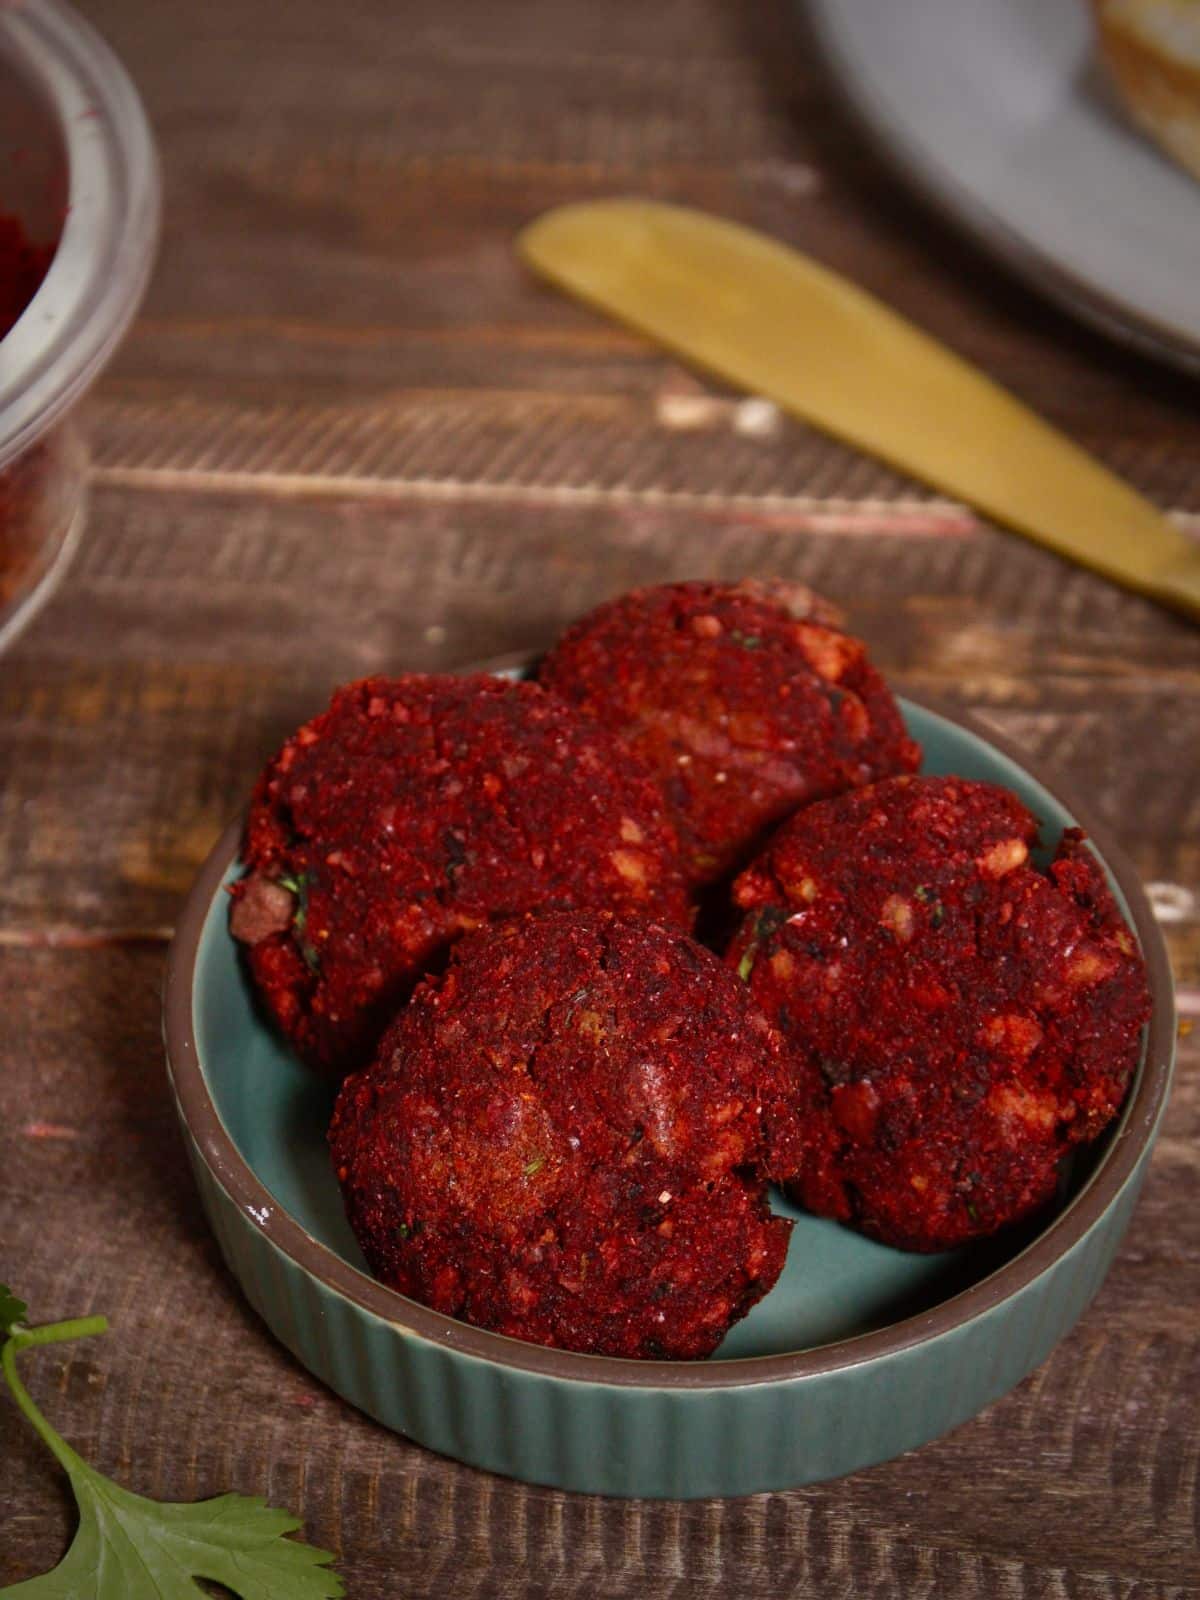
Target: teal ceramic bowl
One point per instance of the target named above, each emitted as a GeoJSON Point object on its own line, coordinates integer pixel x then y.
{"type": "Point", "coordinates": [858, 1353]}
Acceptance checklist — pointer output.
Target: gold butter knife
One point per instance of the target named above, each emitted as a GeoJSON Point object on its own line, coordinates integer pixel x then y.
{"type": "Point", "coordinates": [774, 322]}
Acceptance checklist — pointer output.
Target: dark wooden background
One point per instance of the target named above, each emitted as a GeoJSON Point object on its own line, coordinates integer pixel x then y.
{"type": "Point", "coordinates": [348, 434]}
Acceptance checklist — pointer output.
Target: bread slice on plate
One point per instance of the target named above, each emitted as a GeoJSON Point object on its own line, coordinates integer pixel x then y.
{"type": "Point", "coordinates": [1152, 48]}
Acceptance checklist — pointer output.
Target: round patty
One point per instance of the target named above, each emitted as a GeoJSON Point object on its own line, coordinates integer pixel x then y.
{"type": "Point", "coordinates": [415, 808]}
{"type": "Point", "coordinates": [566, 1138]}
{"type": "Point", "coordinates": [959, 1016]}
{"type": "Point", "coordinates": [745, 699]}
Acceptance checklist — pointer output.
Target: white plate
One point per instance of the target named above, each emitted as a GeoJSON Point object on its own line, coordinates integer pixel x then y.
{"type": "Point", "coordinates": [998, 110]}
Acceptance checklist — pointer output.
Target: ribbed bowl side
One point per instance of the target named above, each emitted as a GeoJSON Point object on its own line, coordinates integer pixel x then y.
{"type": "Point", "coordinates": [651, 1442]}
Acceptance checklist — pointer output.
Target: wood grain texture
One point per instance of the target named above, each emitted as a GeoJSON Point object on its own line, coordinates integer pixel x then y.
{"type": "Point", "coordinates": [348, 435]}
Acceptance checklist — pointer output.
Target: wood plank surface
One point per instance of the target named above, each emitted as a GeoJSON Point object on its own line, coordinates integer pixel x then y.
{"type": "Point", "coordinates": [348, 434]}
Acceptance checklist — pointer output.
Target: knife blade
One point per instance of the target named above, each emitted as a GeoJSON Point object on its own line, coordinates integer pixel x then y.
{"type": "Point", "coordinates": [775, 322]}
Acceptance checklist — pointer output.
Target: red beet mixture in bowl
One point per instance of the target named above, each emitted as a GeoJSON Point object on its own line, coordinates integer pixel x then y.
{"type": "Point", "coordinates": [23, 265]}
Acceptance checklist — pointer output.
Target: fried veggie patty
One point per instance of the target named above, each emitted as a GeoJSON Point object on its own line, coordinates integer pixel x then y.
{"type": "Point", "coordinates": [416, 808]}
{"type": "Point", "coordinates": [566, 1137]}
{"type": "Point", "coordinates": [747, 700]}
{"type": "Point", "coordinates": [959, 1016]}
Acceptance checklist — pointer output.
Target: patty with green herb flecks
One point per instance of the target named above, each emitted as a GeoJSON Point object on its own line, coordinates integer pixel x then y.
{"type": "Point", "coordinates": [959, 1016]}
{"type": "Point", "coordinates": [746, 699]}
{"type": "Point", "coordinates": [567, 1137]}
{"type": "Point", "coordinates": [416, 808]}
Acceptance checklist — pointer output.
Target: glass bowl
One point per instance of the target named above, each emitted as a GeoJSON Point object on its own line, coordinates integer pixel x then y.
{"type": "Point", "coordinates": [80, 173]}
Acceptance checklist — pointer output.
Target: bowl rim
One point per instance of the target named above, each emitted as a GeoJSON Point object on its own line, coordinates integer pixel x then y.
{"type": "Point", "coordinates": [1135, 1132]}
{"type": "Point", "coordinates": [104, 255]}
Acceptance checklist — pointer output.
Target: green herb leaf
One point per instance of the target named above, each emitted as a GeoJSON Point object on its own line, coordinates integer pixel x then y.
{"type": "Point", "coordinates": [12, 1310]}
{"type": "Point", "coordinates": [766, 923]}
{"type": "Point", "coordinates": [298, 884]}
{"type": "Point", "coordinates": [534, 1166]}
{"type": "Point", "coordinates": [131, 1548]}
{"type": "Point", "coordinates": [937, 912]}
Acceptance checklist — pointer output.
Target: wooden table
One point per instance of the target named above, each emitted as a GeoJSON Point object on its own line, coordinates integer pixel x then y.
{"type": "Point", "coordinates": [349, 435]}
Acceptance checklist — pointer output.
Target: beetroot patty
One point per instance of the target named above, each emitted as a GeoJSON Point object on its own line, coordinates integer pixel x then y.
{"type": "Point", "coordinates": [566, 1138]}
{"type": "Point", "coordinates": [745, 699]}
{"type": "Point", "coordinates": [959, 1016]}
{"type": "Point", "coordinates": [415, 808]}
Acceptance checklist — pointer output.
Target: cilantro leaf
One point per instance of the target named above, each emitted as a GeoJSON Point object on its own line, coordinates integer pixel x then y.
{"type": "Point", "coordinates": [298, 885]}
{"type": "Point", "coordinates": [131, 1548]}
{"type": "Point", "coordinates": [12, 1310]}
{"type": "Point", "coordinates": [766, 923]}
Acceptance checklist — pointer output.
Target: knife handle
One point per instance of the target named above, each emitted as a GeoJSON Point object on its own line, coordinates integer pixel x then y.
{"type": "Point", "coordinates": [775, 322]}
